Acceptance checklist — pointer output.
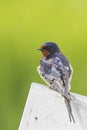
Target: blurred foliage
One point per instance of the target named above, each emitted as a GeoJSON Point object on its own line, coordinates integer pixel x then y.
{"type": "Point", "coordinates": [24, 26]}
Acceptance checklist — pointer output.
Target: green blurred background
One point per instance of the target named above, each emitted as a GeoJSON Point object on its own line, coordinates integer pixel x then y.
{"type": "Point", "coordinates": [24, 26]}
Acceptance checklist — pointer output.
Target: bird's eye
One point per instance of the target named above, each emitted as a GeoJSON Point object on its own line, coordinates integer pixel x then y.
{"type": "Point", "coordinates": [43, 47]}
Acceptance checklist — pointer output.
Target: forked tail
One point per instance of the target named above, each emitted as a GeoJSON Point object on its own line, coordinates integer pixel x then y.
{"type": "Point", "coordinates": [68, 105]}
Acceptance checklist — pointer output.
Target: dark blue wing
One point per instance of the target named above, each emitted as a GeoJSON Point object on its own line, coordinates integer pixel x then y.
{"type": "Point", "coordinates": [55, 68]}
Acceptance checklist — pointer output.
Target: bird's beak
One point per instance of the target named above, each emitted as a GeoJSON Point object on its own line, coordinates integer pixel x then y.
{"type": "Point", "coordinates": [40, 49]}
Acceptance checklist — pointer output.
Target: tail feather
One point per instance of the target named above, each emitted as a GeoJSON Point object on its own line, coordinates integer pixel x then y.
{"type": "Point", "coordinates": [68, 105]}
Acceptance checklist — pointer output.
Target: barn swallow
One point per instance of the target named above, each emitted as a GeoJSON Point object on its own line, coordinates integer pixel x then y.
{"type": "Point", "coordinates": [56, 71]}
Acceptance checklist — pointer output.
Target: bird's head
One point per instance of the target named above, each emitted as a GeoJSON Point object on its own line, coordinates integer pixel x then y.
{"type": "Point", "coordinates": [49, 48]}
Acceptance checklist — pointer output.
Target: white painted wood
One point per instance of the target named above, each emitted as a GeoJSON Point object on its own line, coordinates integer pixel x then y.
{"type": "Point", "coordinates": [45, 110]}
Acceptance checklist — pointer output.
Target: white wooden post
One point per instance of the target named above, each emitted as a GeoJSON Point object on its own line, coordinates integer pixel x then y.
{"type": "Point", "coordinates": [45, 110]}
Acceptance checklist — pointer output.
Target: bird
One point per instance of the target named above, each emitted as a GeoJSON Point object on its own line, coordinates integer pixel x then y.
{"type": "Point", "coordinates": [56, 71]}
